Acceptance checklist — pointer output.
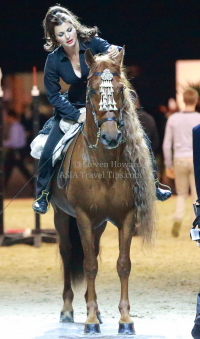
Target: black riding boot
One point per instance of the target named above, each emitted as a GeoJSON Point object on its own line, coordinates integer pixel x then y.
{"type": "Point", "coordinates": [46, 170]}
{"type": "Point", "coordinates": [161, 194]}
{"type": "Point", "coordinates": [42, 205]}
{"type": "Point", "coordinates": [196, 329]}
{"type": "Point", "coordinates": [43, 193]}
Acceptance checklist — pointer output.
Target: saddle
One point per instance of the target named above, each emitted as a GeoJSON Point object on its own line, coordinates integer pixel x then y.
{"type": "Point", "coordinates": [63, 177]}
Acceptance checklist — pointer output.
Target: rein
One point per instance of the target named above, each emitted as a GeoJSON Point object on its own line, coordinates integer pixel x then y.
{"type": "Point", "coordinates": [106, 76]}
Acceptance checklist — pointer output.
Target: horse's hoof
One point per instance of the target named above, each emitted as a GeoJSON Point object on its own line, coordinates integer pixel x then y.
{"type": "Point", "coordinates": [67, 317]}
{"type": "Point", "coordinates": [126, 328]}
{"type": "Point", "coordinates": [196, 331]}
{"type": "Point", "coordinates": [99, 317]}
{"type": "Point", "coordinates": [92, 328]}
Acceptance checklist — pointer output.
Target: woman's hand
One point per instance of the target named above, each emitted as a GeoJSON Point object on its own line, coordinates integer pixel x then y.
{"type": "Point", "coordinates": [113, 51]}
{"type": "Point", "coordinates": [82, 117]}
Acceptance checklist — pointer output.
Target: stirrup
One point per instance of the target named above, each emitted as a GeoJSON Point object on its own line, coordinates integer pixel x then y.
{"type": "Point", "coordinates": [158, 183]}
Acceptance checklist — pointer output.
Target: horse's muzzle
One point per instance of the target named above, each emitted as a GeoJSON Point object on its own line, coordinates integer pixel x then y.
{"type": "Point", "coordinates": [111, 141]}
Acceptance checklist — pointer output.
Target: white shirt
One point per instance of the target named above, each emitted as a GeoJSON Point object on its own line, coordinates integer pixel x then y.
{"type": "Point", "coordinates": [178, 136]}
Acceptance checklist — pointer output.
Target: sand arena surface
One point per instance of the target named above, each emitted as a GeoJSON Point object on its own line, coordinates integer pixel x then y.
{"type": "Point", "coordinates": [163, 287]}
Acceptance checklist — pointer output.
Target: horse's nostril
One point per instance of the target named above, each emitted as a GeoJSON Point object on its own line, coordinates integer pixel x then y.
{"type": "Point", "coordinates": [113, 143]}
{"type": "Point", "coordinates": [104, 136]}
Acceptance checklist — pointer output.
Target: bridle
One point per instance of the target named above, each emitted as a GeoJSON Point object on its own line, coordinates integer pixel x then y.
{"type": "Point", "coordinates": [105, 104]}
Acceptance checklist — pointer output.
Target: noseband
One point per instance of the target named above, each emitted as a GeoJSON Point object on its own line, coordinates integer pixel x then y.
{"type": "Point", "coordinates": [107, 102]}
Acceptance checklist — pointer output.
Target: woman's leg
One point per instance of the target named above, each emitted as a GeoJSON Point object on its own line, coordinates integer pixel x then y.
{"type": "Point", "coordinates": [46, 170]}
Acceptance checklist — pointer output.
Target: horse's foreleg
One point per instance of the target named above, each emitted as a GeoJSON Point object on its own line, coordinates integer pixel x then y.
{"type": "Point", "coordinates": [61, 220]}
{"type": "Point", "coordinates": [90, 270]}
{"type": "Point", "coordinates": [124, 267]}
{"type": "Point", "coordinates": [98, 233]}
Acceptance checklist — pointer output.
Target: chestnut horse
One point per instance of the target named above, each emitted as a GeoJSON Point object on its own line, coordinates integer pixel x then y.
{"type": "Point", "coordinates": [109, 174]}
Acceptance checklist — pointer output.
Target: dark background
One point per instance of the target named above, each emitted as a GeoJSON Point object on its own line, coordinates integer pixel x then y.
{"type": "Point", "coordinates": [156, 33]}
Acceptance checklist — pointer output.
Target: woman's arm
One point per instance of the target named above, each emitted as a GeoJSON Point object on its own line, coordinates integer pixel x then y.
{"type": "Point", "coordinates": [102, 46]}
{"type": "Point", "coordinates": [53, 90]}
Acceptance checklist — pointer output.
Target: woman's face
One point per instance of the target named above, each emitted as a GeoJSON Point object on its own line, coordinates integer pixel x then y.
{"type": "Point", "coordinates": [66, 34]}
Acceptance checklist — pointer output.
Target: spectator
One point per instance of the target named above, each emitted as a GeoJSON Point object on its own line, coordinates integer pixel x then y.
{"type": "Point", "coordinates": [172, 107]}
{"type": "Point", "coordinates": [27, 122]}
{"type": "Point", "coordinates": [15, 145]}
{"type": "Point", "coordinates": [178, 141]}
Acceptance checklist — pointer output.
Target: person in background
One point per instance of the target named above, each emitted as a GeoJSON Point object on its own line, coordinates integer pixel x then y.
{"type": "Point", "coordinates": [172, 107]}
{"type": "Point", "coordinates": [27, 122]}
{"type": "Point", "coordinates": [14, 145]}
{"type": "Point", "coordinates": [178, 154]}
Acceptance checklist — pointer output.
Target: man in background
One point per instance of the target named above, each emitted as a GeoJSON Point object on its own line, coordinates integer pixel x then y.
{"type": "Point", "coordinates": [178, 154]}
{"type": "Point", "coordinates": [14, 147]}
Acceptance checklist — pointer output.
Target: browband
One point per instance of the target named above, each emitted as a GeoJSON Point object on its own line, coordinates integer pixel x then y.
{"type": "Point", "coordinates": [100, 73]}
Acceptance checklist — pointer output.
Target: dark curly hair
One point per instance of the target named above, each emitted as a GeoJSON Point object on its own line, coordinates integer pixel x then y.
{"type": "Point", "coordinates": [55, 16]}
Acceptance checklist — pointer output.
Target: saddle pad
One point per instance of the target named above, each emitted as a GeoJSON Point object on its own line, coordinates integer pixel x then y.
{"type": "Point", "coordinates": [70, 128]}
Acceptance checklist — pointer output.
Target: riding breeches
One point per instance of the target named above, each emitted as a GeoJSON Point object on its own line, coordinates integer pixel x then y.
{"type": "Point", "coordinates": [46, 170]}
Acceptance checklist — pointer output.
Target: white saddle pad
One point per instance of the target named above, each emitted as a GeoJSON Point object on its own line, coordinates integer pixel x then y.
{"type": "Point", "coordinates": [70, 128]}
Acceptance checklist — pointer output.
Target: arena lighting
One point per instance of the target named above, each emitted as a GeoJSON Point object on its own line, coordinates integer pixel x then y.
{"type": "Point", "coordinates": [187, 74]}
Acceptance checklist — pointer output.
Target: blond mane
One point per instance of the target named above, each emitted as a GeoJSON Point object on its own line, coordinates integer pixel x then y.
{"type": "Point", "coordinates": [136, 153]}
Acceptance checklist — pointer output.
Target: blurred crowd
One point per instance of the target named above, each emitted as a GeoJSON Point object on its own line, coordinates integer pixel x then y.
{"type": "Point", "coordinates": [17, 137]}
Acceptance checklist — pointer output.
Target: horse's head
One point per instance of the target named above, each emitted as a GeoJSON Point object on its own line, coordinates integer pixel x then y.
{"type": "Point", "coordinates": [105, 96]}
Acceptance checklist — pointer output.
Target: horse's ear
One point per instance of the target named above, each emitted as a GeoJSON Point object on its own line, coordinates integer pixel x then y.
{"type": "Point", "coordinates": [120, 57]}
{"type": "Point", "coordinates": [89, 58]}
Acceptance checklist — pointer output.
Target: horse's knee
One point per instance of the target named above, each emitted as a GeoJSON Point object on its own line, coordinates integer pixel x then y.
{"type": "Point", "coordinates": [124, 267]}
{"type": "Point", "coordinates": [90, 272]}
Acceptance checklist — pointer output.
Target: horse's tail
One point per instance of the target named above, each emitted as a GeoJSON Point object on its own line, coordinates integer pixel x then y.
{"type": "Point", "coordinates": [77, 255]}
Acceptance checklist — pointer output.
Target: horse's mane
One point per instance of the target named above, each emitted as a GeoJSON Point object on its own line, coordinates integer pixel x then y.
{"type": "Point", "coordinates": [136, 152]}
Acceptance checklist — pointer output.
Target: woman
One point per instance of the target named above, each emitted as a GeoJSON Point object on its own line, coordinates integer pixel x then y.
{"type": "Point", "coordinates": [67, 39]}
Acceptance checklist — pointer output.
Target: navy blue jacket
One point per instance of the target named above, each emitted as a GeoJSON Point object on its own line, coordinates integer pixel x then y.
{"type": "Point", "coordinates": [59, 66]}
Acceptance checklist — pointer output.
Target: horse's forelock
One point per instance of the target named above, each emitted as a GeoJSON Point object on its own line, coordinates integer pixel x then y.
{"type": "Point", "coordinates": [104, 61]}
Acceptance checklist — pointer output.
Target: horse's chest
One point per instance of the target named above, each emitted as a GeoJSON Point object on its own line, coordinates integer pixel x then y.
{"type": "Point", "coordinates": [113, 195]}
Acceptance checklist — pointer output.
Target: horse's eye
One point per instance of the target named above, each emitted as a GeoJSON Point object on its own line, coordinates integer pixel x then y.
{"type": "Point", "coordinates": [93, 92]}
